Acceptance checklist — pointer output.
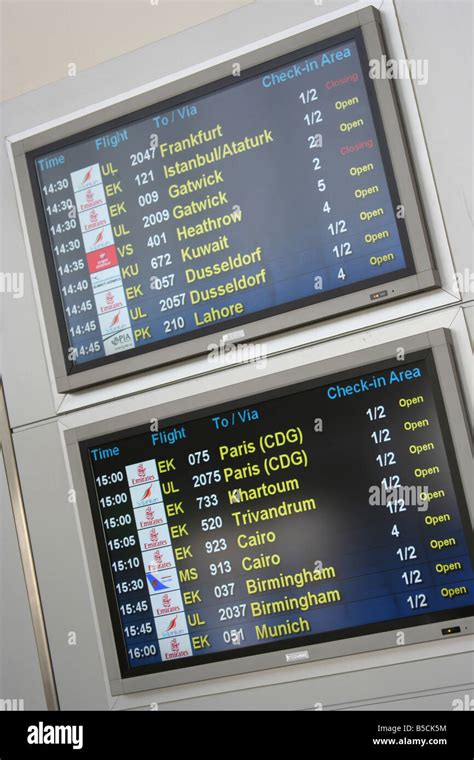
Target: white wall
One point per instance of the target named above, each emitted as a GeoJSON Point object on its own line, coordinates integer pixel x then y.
{"type": "Point", "coordinates": [89, 34]}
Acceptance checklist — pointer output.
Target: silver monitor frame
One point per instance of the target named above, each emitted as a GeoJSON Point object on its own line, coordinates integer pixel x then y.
{"type": "Point", "coordinates": [439, 341]}
{"type": "Point", "coordinates": [425, 277]}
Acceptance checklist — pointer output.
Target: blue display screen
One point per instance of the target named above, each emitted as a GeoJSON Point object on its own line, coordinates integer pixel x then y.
{"type": "Point", "coordinates": [269, 190]}
{"type": "Point", "coordinates": [284, 520]}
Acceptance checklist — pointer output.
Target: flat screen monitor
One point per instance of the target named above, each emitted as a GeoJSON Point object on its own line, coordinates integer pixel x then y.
{"type": "Point", "coordinates": [277, 193]}
{"type": "Point", "coordinates": [318, 511]}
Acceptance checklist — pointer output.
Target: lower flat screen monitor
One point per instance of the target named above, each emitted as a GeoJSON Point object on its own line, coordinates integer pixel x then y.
{"type": "Point", "coordinates": [328, 509]}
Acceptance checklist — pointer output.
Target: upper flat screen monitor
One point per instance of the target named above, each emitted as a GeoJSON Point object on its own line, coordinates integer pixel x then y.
{"type": "Point", "coordinates": [314, 512]}
{"type": "Point", "coordinates": [266, 199]}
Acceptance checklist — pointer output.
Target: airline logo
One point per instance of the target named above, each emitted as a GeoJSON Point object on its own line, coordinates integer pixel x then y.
{"type": "Point", "coordinates": [90, 198]}
{"type": "Point", "coordinates": [114, 322]}
{"type": "Point", "coordinates": [110, 300]}
{"type": "Point", "coordinates": [168, 603]}
{"type": "Point", "coordinates": [159, 582]}
{"type": "Point", "coordinates": [171, 625]}
{"type": "Point", "coordinates": [95, 218]}
{"type": "Point", "coordinates": [121, 341]}
{"type": "Point", "coordinates": [158, 559]}
{"type": "Point", "coordinates": [107, 280]}
{"type": "Point", "coordinates": [175, 647]}
{"type": "Point", "coordinates": [154, 538]}
{"type": "Point", "coordinates": [152, 515]}
{"type": "Point", "coordinates": [86, 177]}
{"type": "Point", "coordinates": [141, 473]}
{"type": "Point", "coordinates": [143, 496]}
{"type": "Point", "coordinates": [98, 239]}
{"type": "Point", "coordinates": [103, 258]}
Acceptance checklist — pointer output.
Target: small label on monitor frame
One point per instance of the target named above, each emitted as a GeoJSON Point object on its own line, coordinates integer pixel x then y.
{"type": "Point", "coordinates": [297, 656]}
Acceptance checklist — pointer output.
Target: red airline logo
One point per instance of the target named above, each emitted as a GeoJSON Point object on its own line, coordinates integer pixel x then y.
{"type": "Point", "coordinates": [102, 259]}
{"type": "Point", "coordinates": [87, 176]}
{"type": "Point", "coordinates": [172, 625]}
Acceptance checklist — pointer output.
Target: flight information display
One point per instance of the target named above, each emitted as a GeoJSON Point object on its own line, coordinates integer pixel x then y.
{"type": "Point", "coordinates": [267, 191]}
{"type": "Point", "coordinates": [282, 521]}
